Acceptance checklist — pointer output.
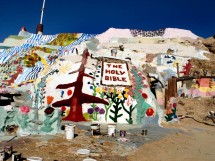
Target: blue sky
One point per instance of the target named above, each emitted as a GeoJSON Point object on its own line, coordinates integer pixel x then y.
{"type": "Point", "coordinates": [96, 16]}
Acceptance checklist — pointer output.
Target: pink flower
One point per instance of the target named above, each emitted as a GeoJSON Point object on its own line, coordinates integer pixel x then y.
{"type": "Point", "coordinates": [24, 109]}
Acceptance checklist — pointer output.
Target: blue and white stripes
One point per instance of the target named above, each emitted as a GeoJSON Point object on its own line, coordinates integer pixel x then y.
{"type": "Point", "coordinates": [61, 51]}
{"type": "Point", "coordinates": [6, 54]}
{"type": "Point", "coordinates": [37, 39]}
{"type": "Point", "coordinates": [29, 73]}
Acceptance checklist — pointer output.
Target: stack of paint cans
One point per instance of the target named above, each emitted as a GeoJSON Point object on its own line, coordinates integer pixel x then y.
{"type": "Point", "coordinates": [95, 129]}
{"type": "Point", "coordinates": [16, 157]}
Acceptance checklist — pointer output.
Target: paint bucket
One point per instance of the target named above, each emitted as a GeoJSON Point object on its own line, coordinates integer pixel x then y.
{"type": "Point", "coordinates": [95, 129]}
{"type": "Point", "coordinates": [112, 129]}
{"type": "Point", "coordinates": [16, 157]}
{"type": "Point", "coordinates": [2, 154]}
{"type": "Point", "coordinates": [122, 133]}
{"type": "Point", "coordinates": [70, 131]}
{"type": "Point", "coordinates": [34, 159]}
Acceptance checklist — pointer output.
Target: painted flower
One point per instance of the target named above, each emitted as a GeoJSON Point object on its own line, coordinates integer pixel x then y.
{"type": "Point", "coordinates": [97, 109]}
{"type": "Point", "coordinates": [174, 105]}
{"type": "Point", "coordinates": [144, 95]}
{"type": "Point", "coordinates": [168, 111]}
{"type": "Point", "coordinates": [101, 111]}
{"type": "Point", "coordinates": [112, 90]}
{"type": "Point", "coordinates": [118, 92]}
{"type": "Point", "coordinates": [126, 95]}
{"type": "Point", "coordinates": [119, 96]}
{"type": "Point", "coordinates": [98, 89]}
{"type": "Point", "coordinates": [8, 108]}
{"type": "Point", "coordinates": [63, 108]}
{"type": "Point", "coordinates": [49, 110]}
{"type": "Point", "coordinates": [145, 86]}
{"type": "Point", "coordinates": [90, 110]}
{"type": "Point", "coordinates": [24, 109]}
{"type": "Point", "coordinates": [126, 90]}
{"type": "Point", "coordinates": [49, 99]}
{"type": "Point", "coordinates": [69, 92]}
{"type": "Point", "coordinates": [104, 89]}
{"type": "Point", "coordinates": [143, 78]}
{"type": "Point", "coordinates": [149, 112]}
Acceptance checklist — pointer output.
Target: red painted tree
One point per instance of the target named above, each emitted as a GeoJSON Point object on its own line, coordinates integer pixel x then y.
{"type": "Point", "coordinates": [187, 68]}
{"type": "Point", "coordinates": [78, 98]}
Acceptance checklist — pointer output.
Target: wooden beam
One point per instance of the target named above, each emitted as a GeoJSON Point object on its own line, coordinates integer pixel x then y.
{"type": "Point", "coordinates": [193, 77]}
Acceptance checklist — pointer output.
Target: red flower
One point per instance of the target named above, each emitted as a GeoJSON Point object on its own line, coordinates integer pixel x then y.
{"type": "Point", "coordinates": [69, 92]}
{"type": "Point", "coordinates": [49, 99]}
{"type": "Point", "coordinates": [149, 112]}
{"type": "Point", "coordinates": [174, 105]}
{"type": "Point", "coordinates": [49, 110]}
{"type": "Point", "coordinates": [63, 108]}
{"type": "Point", "coordinates": [145, 96]}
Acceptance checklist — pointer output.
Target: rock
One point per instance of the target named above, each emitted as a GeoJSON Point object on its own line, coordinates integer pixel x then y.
{"type": "Point", "coordinates": [212, 49]}
{"type": "Point", "coordinates": [209, 42]}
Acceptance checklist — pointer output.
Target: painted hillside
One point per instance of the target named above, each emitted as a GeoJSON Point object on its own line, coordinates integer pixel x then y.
{"type": "Point", "coordinates": [119, 76]}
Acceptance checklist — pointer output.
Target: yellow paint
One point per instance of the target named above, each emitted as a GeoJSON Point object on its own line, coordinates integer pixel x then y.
{"type": "Point", "coordinates": [207, 89]}
{"type": "Point", "coordinates": [120, 96]}
{"type": "Point", "coordinates": [98, 89]}
{"type": "Point", "coordinates": [126, 95]}
{"type": "Point", "coordinates": [44, 61]}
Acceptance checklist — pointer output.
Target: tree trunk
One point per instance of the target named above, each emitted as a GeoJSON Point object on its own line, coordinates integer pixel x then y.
{"type": "Point", "coordinates": [75, 113]}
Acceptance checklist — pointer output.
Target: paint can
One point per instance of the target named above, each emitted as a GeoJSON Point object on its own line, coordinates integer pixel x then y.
{"type": "Point", "coordinates": [144, 132]}
{"type": "Point", "coordinates": [2, 154]}
{"type": "Point", "coordinates": [34, 159]}
{"type": "Point", "coordinates": [16, 157]}
{"type": "Point", "coordinates": [70, 131]}
{"type": "Point", "coordinates": [95, 129]}
{"type": "Point", "coordinates": [112, 130]}
{"type": "Point", "coordinates": [122, 133]}
{"type": "Point", "coordinates": [8, 150]}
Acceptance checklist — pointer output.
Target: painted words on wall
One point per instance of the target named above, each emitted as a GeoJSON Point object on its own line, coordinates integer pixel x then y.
{"type": "Point", "coordinates": [115, 74]}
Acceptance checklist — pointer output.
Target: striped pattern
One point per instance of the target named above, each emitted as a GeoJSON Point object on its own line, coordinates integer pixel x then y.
{"type": "Point", "coordinates": [37, 39]}
{"type": "Point", "coordinates": [29, 73]}
{"type": "Point", "coordinates": [71, 47]}
{"type": "Point", "coordinates": [6, 54]}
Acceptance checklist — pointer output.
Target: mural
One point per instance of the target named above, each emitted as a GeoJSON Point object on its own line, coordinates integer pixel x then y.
{"type": "Point", "coordinates": [143, 33]}
{"type": "Point", "coordinates": [78, 98]}
{"type": "Point", "coordinates": [54, 78]}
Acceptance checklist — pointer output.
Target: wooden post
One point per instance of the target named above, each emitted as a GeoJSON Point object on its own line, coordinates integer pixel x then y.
{"type": "Point", "coordinates": [178, 70]}
{"type": "Point", "coordinates": [166, 98]}
{"type": "Point", "coordinates": [172, 89]}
